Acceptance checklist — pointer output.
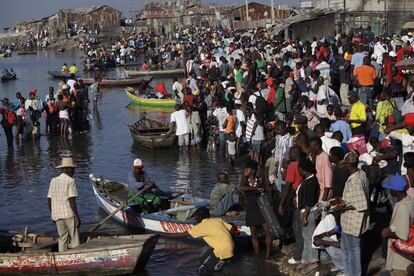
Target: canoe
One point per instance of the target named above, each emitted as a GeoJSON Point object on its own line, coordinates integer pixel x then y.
{"type": "Point", "coordinates": [127, 64]}
{"type": "Point", "coordinates": [60, 75]}
{"type": "Point", "coordinates": [151, 134]}
{"type": "Point", "coordinates": [149, 102]}
{"type": "Point", "coordinates": [176, 219]}
{"type": "Point", "coordinates": [116, 82]}
{"type": "Point", "coordinates": [157, 73]}
{"type": "Point", "coordinates": [26, 53]}
{"type": "Point", "coordinates": [99, 255]}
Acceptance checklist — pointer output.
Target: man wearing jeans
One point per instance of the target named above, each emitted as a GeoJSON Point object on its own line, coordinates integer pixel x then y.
{"type": "Point", "coordinates": [365, 76]}
{"type": "Point", "coordinates": [355, 217]}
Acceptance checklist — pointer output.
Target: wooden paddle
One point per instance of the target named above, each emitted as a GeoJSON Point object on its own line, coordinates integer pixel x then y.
{"type": "Point", "coordinates": [122, 206]}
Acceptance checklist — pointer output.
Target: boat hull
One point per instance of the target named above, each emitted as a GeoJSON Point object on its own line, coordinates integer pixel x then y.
{"type": "Point", "coordinates": [60, 75]}
{"type": "Point", "coordinates": [120, 256]}
{"type": "Point", "coordinates": [151, 103]}
{"type": "Point", "coordinates": [114, 82]}
{"type": "Point", "coordinates": [157, 73]}
{"type": "Point", "coordinates": [154, 222]}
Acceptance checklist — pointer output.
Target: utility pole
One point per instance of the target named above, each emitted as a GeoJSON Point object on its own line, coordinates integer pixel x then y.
{"type": "Point", "coordinates": [273, 12]}
{"type": "Point", "coordinates": [247, 10]}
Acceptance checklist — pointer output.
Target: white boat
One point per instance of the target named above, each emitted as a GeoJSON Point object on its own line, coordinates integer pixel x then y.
{"type": "Point", "coordinates": [175, 219]}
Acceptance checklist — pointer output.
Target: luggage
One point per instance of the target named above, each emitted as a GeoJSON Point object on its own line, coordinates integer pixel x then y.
{"type": "Point", "coordinates": [269, 215]}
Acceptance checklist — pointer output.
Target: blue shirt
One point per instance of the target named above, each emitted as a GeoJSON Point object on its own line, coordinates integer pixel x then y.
{"type": "Point", "coordinates": [342, 126]}
{"type": "Point", "coordinates": [357, 59]}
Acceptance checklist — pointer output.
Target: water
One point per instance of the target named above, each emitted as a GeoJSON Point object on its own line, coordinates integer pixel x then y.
{"type": "Point", "coordinates": [108, 151]}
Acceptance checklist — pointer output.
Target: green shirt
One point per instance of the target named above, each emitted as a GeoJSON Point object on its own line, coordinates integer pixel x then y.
{"type": "Point", "coordinates": [219, 190]}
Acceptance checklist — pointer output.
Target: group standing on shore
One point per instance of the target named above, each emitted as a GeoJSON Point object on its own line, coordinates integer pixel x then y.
{"type": "Point", "coordinates": [328, 125]}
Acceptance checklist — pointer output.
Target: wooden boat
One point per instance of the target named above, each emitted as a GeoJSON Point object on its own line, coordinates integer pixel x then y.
{"type": "Point", "coordinates": [26, 53]}
{"type": "Point", "coordinates": [117, 82]}
{"type": "Point", "coordinates": [151, 134]}
{"type": "Point", "coordinates": [7, 78]}
{"type": "Point", "coordinates": [60, 75]}
{"type": "Point", "coordinates": [98, 255]}
{"type": "Point", "coordinates": [157, 73]}
{"type": "Point", "coordinates": [176, 219]}
{"type": "Point", "coordinates": [137, 100]}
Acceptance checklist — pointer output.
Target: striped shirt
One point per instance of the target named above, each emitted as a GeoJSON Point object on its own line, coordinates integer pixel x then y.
{"type": "Point", "coordinates": [249, 127]}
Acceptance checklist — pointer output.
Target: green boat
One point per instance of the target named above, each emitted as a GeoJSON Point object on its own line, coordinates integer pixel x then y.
{"type": "Point", "coordinates": [136, 100]}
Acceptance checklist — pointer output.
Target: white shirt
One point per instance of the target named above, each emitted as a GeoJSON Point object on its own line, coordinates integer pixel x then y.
{"type": "Point", "coordinates": [328, 143]}
{"type": "Point", "coordinates": [71, 84]}
{"type": "Point", "coordinates": [180, 119]}
{"type": "Point", "coordinates": [408, 106]}
{"type": "Point", "coordinates": [322, 95]}
{"type": "Point", "coordinates": [35, 104]}
{"type": "Point", "coordinates": [407, 142]}
{"type": "Point", "coordinates": [221, 115]}
{"type": "Point", "coordinates": [179, 88]}
{"type": "Point", "coordinates": [240, 118]}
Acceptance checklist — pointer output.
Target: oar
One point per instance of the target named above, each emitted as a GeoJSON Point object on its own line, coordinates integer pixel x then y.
{"type": "Point", "coordinates": [122, 206]}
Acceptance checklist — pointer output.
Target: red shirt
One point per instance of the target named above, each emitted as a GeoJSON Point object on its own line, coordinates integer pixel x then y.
{"type": "Point", "coordinates": [293, 175]}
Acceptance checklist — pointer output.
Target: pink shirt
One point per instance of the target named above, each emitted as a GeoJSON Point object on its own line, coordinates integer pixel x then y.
{"type": "Point", "coordinates": [323, 172]}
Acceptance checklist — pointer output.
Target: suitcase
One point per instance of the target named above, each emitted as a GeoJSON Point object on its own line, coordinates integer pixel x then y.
{"type": "Point", "coordinates": [269, 215]}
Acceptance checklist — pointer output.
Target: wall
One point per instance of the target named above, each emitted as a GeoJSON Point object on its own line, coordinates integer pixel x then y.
{"type": "Point", "coordinates": [258, 12]}
{"type": "Point", "coordinates": [320, 27]}
{"type": "Point", "coordinates": [366, 5]}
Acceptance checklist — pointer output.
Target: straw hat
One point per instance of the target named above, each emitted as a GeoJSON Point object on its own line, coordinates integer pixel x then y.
{"type": "Point", "coordinates": [67, 162]}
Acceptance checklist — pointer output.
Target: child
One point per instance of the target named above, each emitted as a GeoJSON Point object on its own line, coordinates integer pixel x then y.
{"type": "Point", "coordinates": [21, 118]}
{"type": "Point", "coordinates": [231, 147]}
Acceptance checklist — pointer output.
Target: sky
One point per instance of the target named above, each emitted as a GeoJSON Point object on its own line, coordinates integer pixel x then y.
{"type": "Point", "coordinates": [18, 10]}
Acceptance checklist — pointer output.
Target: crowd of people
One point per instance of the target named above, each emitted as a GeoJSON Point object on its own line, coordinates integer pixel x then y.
{"type": "Point", "coordinates": [65, 110]}
{"type": "Point", "coordinates": [328, 126]}
{"type": "Point", "coordinates": [153, 49]}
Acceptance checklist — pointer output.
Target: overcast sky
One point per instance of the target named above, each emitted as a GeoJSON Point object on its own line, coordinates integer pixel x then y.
{"type": "Point", "coordinates": [12, 11]}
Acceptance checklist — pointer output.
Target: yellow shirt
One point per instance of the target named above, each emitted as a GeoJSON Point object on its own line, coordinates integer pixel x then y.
{"type": "Point", "coordinates": [73, 69]}
{"type": "Point", "coordinates": [384, 110]}
{"type": "Point", "coordinates": [358, 112]}
{"type": "Point", "coordinates": [215, 233]}
{"type": "Point", "coordinates": [65, 69]}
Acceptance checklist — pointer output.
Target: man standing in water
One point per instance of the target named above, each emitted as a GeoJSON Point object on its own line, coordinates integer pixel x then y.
{"type": "Point", "coordinates": [62, 205]}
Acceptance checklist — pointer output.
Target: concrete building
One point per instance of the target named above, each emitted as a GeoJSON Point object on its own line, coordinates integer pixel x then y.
{"type": "Point", "coordinates": [381, 15]}
{"type": "Point", "coordinates": [259, 15]}
{"type": "Point", "coordinates": [103, 17]}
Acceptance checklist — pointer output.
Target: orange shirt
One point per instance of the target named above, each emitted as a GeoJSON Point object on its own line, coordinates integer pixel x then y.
{"type": "Point", "coordinates": [231, 120]}
{"type": "Point", "coordinates": [365, 74]}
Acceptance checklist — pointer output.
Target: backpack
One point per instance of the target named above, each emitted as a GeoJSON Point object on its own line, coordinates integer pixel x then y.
{"type": "Point", "coordinates": [11, 118]}
{"type": "Point", "coordinates": [261, 104]}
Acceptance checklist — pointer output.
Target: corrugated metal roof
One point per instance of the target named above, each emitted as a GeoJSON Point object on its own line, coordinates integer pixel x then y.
{"type": "Point", "coordinates": [301, 18]}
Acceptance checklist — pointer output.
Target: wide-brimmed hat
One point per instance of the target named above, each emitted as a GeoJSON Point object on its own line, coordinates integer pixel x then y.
{"type": "Point", "coordinates": [67, 162]}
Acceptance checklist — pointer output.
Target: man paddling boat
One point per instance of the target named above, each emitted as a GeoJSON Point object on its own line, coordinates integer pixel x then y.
{"type": "Point", "coordinates": [62, 205]}
{"type": "Point", "coordinates": [138, 179]}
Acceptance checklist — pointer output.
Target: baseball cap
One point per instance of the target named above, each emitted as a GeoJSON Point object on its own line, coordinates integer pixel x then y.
{"type": "Point", "coordinates": [395, 183]}
{"type": "Point", "coordinates": [138, 163]}
{"type": "Point", "coordinates": [392, 54]}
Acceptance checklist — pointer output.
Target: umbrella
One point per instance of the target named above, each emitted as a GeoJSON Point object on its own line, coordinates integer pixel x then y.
{"type": "Point", "coordinates": [247, 34]}
{"type": "Point", "coordinates": [406, 63]}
